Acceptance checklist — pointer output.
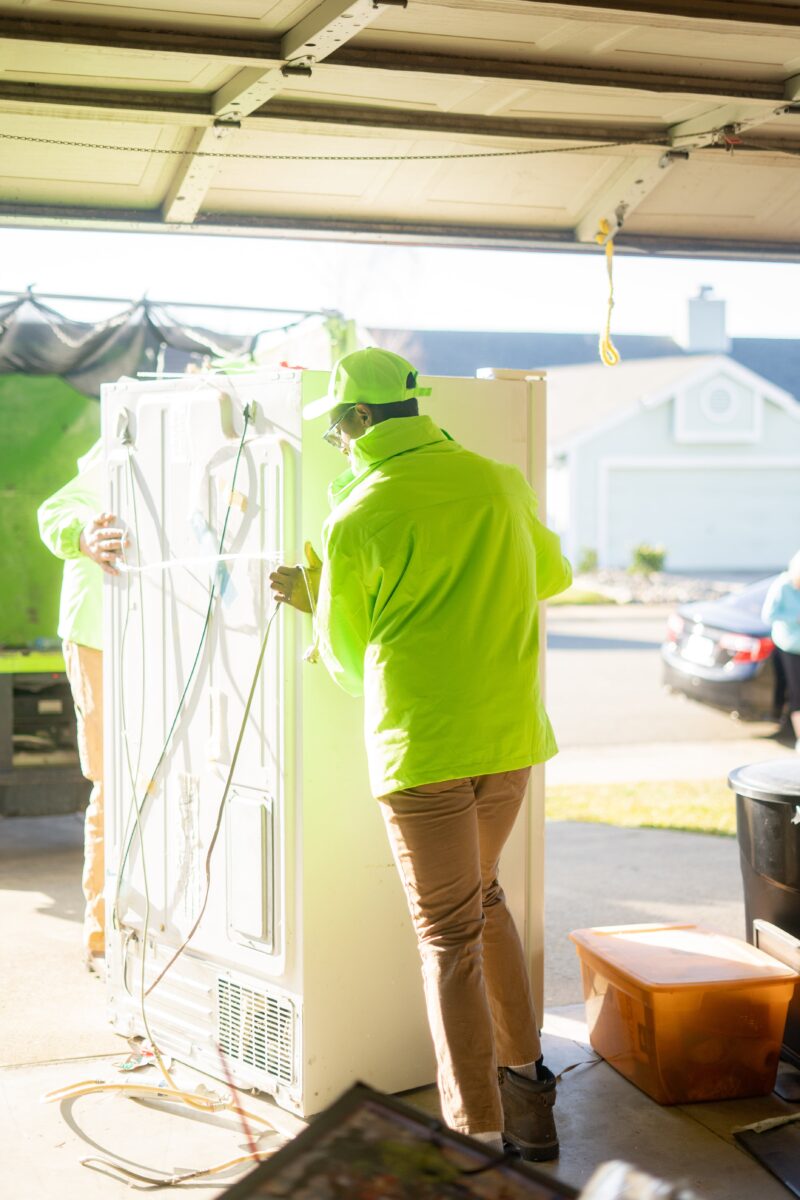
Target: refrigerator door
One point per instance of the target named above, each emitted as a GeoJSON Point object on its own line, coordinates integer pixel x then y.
{"type": "Point", "coordinates": [505, 418]}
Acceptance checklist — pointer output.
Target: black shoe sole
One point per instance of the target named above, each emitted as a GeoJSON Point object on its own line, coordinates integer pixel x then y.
{"type": "Point", "coordinates": [531, 1153]}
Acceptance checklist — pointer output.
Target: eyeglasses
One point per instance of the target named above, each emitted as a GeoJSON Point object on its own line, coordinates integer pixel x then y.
{"type": "Point", "coordinates": [332, 435]}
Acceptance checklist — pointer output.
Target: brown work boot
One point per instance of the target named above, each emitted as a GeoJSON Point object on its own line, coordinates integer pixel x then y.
{"type": "Point", "coordinates": [528, 1124]}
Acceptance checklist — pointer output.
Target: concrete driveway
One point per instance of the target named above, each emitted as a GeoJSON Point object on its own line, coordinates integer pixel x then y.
{"type": "Point", "coordinates": [615, 723]}
{"type": "Point", "coordinates": [54, 1011]}
{"type": "Point", "coordinates": [600, 875]}
{"type": "Point", "coordinates": [611, 716]}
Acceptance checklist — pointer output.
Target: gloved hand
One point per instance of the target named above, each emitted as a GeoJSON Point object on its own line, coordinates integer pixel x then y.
{"type": "Point", "coordinates": [291, 585]}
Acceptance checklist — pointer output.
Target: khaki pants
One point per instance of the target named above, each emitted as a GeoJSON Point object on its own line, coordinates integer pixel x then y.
{"type": "Point", "coordinates": [85, 674]}
{"type": "Point", "coordinates": [446, 839]}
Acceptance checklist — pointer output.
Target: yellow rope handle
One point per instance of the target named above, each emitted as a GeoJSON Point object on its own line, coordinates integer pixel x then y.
{"type": "Point", "coordinates": [608, 351]}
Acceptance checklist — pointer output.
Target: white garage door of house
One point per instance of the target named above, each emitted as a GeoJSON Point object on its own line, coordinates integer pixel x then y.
{"type": "Point", "coordinates": [732, 517]}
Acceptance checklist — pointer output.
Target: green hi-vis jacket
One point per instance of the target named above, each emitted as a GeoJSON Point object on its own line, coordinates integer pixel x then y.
{"type": "Point", "coordinates": [61, 520]}
{"type": "Point", "coordinates": [433, 564]}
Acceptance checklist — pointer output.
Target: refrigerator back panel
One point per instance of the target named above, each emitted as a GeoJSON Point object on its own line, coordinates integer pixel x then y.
{"type": "Point", "coordinates": [204, 514]}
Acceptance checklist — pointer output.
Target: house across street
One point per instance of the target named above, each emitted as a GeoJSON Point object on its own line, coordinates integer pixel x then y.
{"type": "Point", "coordinates": [696, 448]}
{"type": "Point", "coordinates": [696, 454]}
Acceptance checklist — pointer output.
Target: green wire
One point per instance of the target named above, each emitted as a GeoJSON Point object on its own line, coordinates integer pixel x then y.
{"type": "Point", "coordinates": [193, 670]}
{"type": "Point", "coordinates": [221, 808]}
{"type": "Point", "coordinates": [132, 774]}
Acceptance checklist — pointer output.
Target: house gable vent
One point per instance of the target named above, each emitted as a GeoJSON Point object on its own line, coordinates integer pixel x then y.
{"type": "Point", "coordinates": [257, 1029]}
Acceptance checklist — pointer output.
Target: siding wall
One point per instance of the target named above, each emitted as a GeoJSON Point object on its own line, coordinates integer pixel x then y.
{"type": "Point", "coordinates": [649, 436]}
{"type": "Point", "coordinates": [694, 419]}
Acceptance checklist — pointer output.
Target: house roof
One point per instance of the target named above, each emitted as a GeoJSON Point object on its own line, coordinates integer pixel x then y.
{"type": "Point", "coordinates": [463, 352]}
{"type": "Point", "coordinates": [579, 398]}
{"type": "Point", "coordinates": [776, 359]}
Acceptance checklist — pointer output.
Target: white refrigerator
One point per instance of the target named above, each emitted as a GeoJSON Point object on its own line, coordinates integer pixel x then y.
{"type": "Point", "coordinates": [303, 974]}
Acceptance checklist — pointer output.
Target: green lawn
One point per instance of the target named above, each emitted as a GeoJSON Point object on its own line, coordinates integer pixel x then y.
{"type": "Point", "coordinates": [580, 596]}
{"type": "Point", "coordinates": [699, 806]}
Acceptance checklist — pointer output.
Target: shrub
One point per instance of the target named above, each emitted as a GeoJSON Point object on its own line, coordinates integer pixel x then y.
{"type": "Point", "coordinates": [587, 561]}
{"type": "Point", "coordinates": [647, 559]}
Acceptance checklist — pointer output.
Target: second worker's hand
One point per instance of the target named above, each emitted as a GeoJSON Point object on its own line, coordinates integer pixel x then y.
{"type": "Point", "coordinates": [103, 541]}
{"type": "Point", "coordinates": [298, 586]}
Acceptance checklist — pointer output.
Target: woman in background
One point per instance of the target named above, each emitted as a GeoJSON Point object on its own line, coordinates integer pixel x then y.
{"type": "Point", "coordinates": [781, 611]}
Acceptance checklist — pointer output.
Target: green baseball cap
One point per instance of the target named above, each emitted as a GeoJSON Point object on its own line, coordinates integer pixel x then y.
{"type": "Point", "coordinates": [371, 376]}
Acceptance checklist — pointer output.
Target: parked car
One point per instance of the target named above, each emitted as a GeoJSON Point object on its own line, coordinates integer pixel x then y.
{"type": "Point", "coordinates": [720, 653]}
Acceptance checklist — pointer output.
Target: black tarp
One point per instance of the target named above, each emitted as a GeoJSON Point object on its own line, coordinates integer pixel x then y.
{"type": "Point", "coordinates": [37, 340]}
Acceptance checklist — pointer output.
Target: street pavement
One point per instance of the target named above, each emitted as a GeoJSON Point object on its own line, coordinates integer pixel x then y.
{"type": "Point", "coordinates": [614, 721]}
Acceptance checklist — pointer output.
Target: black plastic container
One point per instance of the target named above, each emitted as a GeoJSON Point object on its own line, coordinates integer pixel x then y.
{"type": "Point", "coordinates": [768, 829]}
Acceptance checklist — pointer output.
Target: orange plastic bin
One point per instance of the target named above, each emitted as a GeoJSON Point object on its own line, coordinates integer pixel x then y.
{"type": "Point", "coordinates": [684, 1013]}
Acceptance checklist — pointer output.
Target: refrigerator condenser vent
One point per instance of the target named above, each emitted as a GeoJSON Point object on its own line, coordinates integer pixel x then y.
{"type": "Point", "coordinates": [257, 1029]}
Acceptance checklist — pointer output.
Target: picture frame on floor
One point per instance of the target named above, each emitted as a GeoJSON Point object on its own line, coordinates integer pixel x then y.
{"type": "Point", "coordinates": [368, 1146]}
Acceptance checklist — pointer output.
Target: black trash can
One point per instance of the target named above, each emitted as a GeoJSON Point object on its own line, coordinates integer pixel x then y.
{"type": "Point", "coordinates": [768, 829]}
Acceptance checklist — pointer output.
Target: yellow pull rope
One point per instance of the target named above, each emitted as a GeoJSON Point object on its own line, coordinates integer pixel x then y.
{"type": "Point", "coordinates": [608, 351]}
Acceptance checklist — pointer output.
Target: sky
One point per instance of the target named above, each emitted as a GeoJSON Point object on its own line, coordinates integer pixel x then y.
{"type": "Point", "coordinates": [398, 287]}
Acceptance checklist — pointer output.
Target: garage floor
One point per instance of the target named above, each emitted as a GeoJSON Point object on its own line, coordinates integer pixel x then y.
{"type": "Point", "coordinates": [53, 1034]}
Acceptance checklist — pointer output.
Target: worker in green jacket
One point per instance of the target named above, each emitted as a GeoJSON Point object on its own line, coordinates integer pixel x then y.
{"type": "Point", "coordinates": [426, 598]}
{"type": "Point", "coordinates": [74, 528]}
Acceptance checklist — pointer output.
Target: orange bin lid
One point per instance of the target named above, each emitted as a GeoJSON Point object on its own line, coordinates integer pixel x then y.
{"type": "Point", "coordinates": [672, 956]}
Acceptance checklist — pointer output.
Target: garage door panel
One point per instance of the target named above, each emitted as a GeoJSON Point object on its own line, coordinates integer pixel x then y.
{"type": "Point", "coordinates": [707, 518]}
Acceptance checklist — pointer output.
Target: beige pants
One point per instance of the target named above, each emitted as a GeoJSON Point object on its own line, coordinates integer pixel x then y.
{"type": "Point", "coordinates": [446, 839]}
{"type": "Point", "coordinates": [85, 674]}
